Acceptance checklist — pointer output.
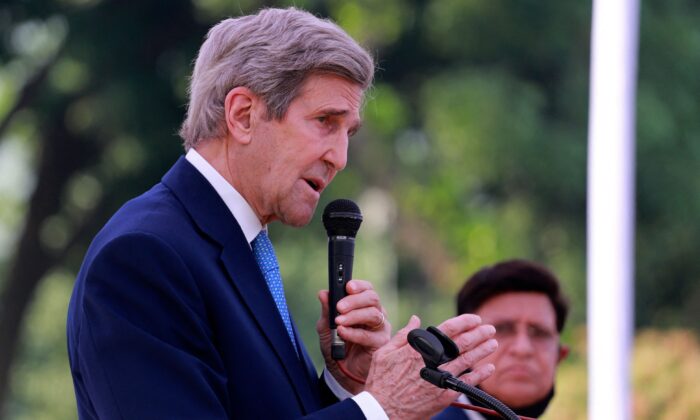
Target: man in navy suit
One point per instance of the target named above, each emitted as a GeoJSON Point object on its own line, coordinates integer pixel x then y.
{"type": "Point", "coordinates": [179, 311]}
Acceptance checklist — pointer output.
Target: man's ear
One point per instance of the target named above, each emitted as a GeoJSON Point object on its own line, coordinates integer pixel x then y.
{"type": "Point", "coordinates": [239, 109]}
{"type": "Point", "coordinates": [563, 352]}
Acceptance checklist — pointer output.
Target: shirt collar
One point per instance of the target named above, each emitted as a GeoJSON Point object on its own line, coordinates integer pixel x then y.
{"type": "Point", "coordinates": [470, 414]}
{"type": "Point", "coordinates": [239, 207]}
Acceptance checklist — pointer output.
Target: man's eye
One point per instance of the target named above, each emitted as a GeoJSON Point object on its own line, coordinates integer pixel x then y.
{"type": "Point", "coordinates": [323, 119]}
{"type": "Point", "coordinates": [540, 333]}
{"type": "Point", "coordinates": [505, 328]}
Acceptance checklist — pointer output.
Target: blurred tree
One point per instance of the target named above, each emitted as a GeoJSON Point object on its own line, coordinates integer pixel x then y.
{"type": "Point", "coordinates": [95, 100]}
{"type": "Point", "coordinates": [491, 163]}
{"type": "Point", "coordinates": [668, 153]}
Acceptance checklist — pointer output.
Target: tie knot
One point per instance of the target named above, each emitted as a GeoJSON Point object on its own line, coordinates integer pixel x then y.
{"type": "Point", "coordinates": [262, 239]}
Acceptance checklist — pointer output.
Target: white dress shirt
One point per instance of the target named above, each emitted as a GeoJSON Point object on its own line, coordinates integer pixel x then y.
{"type": "Point", "coordinates": [469, 414]}
{"type": "Point", "coordinates": [251, 226]}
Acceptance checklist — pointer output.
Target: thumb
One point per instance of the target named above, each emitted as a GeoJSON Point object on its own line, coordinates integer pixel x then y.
{"type": "Point", "coordinates": [400, 339]}
{"type": "Point", "coordinates": [323, 298]}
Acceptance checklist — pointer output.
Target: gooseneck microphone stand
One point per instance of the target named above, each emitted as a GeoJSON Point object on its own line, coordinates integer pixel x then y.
{"type": "Point", "coordinates": [436, 348]}
{"type": "Point", "coordinates": [445, 379]}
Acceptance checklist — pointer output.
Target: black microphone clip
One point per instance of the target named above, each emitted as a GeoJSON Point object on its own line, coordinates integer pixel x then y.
{"type": "Point", "coordinates": [436, 348]}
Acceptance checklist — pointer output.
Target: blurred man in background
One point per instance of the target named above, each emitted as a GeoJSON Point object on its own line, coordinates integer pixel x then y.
{"type": "Point", "coordinates": [524, 301]}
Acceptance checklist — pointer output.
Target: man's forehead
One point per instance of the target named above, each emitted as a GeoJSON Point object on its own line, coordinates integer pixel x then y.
{"type": "Point", "coordinates": [518, 306]}
{"type": "Point", "coordinates": [331, 88]}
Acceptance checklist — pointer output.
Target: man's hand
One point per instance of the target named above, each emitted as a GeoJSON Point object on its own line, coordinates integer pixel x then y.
{"type": "Point", "coordinates": [362, 324]}
{"type": "Point", "coordinates": [394, 378]}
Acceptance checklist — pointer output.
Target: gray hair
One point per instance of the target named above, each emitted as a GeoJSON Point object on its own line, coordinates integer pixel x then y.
{"type": "Point", "coordinates": [271, 53]}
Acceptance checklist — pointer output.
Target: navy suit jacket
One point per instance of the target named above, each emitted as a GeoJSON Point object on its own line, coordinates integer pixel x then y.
{"type": "Point", "coordinates": [451, 413]}
{"type": "Point", "coordinates": [171, 318]}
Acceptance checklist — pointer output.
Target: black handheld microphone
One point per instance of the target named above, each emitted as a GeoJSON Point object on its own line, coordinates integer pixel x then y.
{"type": "Point", "coordinates": [342, 219]}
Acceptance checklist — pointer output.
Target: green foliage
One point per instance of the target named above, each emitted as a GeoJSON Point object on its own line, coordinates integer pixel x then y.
{"type": "Point", "coordinates": [668, 195]}
{"type": "Point", "coordinates": [42, 387]}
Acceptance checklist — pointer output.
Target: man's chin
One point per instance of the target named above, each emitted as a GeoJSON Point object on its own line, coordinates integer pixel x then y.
{"type": "Point", "coordinates": [524, 396]}
{"type": "Point", "coordinates": [298, 217]}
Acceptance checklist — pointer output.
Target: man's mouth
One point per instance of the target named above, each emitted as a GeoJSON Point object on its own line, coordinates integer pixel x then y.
{"type": "Point", "coordinates": [313, 184]}
{"type": "Point", "coordinates": [518, 370]}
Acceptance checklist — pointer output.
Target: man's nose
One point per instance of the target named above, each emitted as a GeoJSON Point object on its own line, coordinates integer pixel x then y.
{"type": "Point", "coordinates": [522, 343]}
{"type": "Point", "coordinates": [337, 154]}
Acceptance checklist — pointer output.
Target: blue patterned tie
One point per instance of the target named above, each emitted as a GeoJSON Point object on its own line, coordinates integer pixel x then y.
{"type": "Point", "coordinates": [267, 260]}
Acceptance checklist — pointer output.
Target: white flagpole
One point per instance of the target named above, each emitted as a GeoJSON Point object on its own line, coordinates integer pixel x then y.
{"type": "Point", "coordinates": [611, 151]}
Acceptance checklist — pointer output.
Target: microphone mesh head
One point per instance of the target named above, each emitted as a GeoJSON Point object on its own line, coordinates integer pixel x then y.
{"type": "Point", "coordinates": [342, 218]}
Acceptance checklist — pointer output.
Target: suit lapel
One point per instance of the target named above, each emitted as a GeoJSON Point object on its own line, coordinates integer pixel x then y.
{"type": "Point", "coordinates": [212, 216]}
{"type": "Point", "coordinates": [311, 374]}
{"type": "Point", "coordinates": [250, 284]}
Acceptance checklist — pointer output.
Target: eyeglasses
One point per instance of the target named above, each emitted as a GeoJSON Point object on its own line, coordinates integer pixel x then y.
{"type": "Point", "coordinates": [539, 336]}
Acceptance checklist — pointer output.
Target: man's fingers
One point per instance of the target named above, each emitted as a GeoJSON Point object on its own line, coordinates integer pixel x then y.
{"type": "Point", "coordinates": [372, 318]}
{"type": "Point", "coordinates": [323, 320]}
{"type": "Point", "coordinates": [400, 338]}
{"type": "Point", "coordinates": [472, 338]}
{"type": "Point", "coordinates": [357, 286]}
{"type": "Point", "coordinates": [362, 337]}
{"type": "Point", "coordinates": [478, 375]}
{"type": "Point", "coordinates": [470, 358]}
{"type": "Point", "coordinates": [459, 324]}
{"type": "Point", "coordinates": [361, 294]}
{"type": "Point", "coordinates": [362, 299]}
{"type": "Point", "coordinates": [323, 298]}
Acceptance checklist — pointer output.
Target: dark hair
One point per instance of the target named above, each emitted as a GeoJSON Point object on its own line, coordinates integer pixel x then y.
{"type": "Point", "coordinates": [512, 276]}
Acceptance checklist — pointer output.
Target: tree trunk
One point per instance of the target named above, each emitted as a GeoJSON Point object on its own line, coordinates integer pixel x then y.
{"type": "Point", "coordinates": [61, 157]}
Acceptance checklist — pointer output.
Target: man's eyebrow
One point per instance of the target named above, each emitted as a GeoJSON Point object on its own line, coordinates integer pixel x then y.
{"type": "Point", "coordinates": [540, 325]}
{"type": "Point", "coordinates": [333, 111]}
{"type": "Point", "coordinates": [514, 321]}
